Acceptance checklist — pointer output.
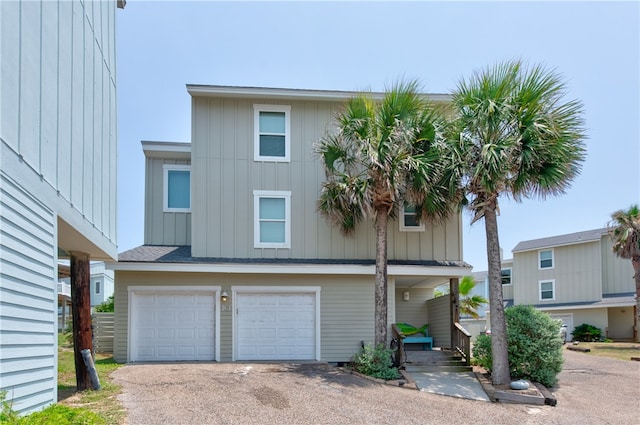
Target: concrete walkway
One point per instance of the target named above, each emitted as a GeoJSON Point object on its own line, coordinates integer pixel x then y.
{"type": "Point", "coordinates": [454, 384]}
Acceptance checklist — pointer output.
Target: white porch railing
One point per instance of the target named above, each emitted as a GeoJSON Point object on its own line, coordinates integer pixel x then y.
{"type": "Point", "coordinates": [64, 289]}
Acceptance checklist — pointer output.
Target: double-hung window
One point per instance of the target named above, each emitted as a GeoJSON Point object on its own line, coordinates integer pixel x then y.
{"type": "Point", "coordinates": [177, 188]}
{"type": "Point", "coordinates": [547, 290]}
{"type": "Point", "coordinates": [272, 219]}
{"type": "Point", "coordinates": [409, 219]}
{"type": "Point", "coordinates": [545, 259]}
{"type": "Point", "coordinates": [272, 133]}
{"type": "Point", "coordinates": [505, 275]}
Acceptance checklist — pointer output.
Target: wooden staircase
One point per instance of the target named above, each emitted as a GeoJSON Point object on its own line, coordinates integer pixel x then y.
{"type": "Point", "coordinates": [435, 361]}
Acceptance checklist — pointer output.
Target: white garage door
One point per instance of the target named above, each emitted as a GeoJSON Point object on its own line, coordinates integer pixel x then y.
{"type": "Point", "coordinates": [170, 326]}
{"type": "Point", "coordinates": [276, 326]}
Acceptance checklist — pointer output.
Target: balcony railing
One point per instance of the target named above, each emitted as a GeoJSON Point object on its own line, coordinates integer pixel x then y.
{"type": "Point", "coordinates": [64, 289]}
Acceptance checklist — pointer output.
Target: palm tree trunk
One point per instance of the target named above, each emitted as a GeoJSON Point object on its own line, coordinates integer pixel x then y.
{"type": "Point", "coordinates": [500, 367]}
{"type": "Point", "coordinates": [382, 219]}
{"type": "Point", "coordinates": [635, 260]}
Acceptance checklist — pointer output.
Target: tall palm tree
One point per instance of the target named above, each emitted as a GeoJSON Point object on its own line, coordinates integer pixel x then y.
{"type": "Point", "coordinates": [517, 137]}
{"type": "Point", "coordinates": [384, 153]}
{"type": "Point", "coordinates": [469, 303]}
{"type": "Point", "coordinates": [624, 229]}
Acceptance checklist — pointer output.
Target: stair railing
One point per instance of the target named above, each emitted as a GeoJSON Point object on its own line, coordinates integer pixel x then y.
{"type": "Point", "coordinates": [462, 342]}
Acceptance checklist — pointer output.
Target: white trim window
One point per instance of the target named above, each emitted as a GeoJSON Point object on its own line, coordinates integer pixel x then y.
{"type": "Point", "coordinates": [547, 290]}
{"type": "Point", "coordinates": [177, 188]}
{"type": "Point", "coordinates": [505, 275]}
{"type": "Point", "coordinates": [271, 133]}
{"type": "Point", "coordinates": [272, 219]}
{"type": "Point", "coordinates": [97, 285]}
{"type": "Point", "coordinates": [545, 259]}
{"type": "Point", "coordinates": [409, 219]}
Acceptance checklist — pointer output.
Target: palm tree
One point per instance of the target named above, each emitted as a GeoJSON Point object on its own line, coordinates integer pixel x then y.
{"type": "Point", "coordinates": [624, 229]}
{"type": "Point", "coordinates": [469, 303]}
{"type": "Point", "coordinates": [383, 154]}
{"type": "Point", "coordinates": [516, 137]}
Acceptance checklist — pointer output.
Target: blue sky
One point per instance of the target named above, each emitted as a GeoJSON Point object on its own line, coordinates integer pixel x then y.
{"type": "Point", "coordinates": [163, 45]}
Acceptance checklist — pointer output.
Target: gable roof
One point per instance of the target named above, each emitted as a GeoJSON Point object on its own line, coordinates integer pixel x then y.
{"type": "Point", "coordinates": [561, 240]}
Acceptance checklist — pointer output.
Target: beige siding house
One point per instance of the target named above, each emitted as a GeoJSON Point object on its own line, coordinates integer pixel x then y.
{"type": "Point", "coordinates": [57, 174]}
{"type": "Point", "coordinates": [238, 265]}
{"type": "Point", "coordinates": [577, 279]}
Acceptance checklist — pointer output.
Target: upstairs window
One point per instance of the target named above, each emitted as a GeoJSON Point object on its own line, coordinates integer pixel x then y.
{"type": "Point", "coordinates": [409, 219]}
{"type": "Point", "coordinates": [545, 259]}
{"type": "Point", "coordinates": [272, 132]}
{"type": "Point", "coordinates": [505, 274]}
{"type": "Point", "coordinates": [547, 290]}
{"type": "Point", "coordinates": [177, 188]}
{"type": "Point", "coordinates": [97, 287]}
{"type": "Point", "coordinates": [272, 222]}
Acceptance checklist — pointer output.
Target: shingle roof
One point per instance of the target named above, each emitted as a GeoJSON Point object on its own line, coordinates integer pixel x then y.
{"type": "Point", "coordinates": [182, 254]}
{"type": "Point", "coordinates": [568, 239]}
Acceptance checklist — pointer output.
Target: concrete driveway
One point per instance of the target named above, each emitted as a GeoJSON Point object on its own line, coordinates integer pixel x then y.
{"type": "Point", "coordinates": [592, 390]}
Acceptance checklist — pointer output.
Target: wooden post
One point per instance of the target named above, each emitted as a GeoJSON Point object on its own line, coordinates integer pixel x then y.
{"type": "Point", "coordinates": [81, 315]}
{"type": "Point", "coordinates": [454, 294]}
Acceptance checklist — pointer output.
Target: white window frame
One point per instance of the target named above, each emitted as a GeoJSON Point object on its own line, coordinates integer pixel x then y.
{"type": "Point", "coordinates": [97, 287]}
{"type": "Point", "coordinates": [553, 259]}
{"type": "Point", "coordinates": [403, 228]}
{"type": "Point", "coordinates": [286, 195]}
{"type": "Point", "coordinates": [510, 276]}
{"type": "Point", "coordinates": [165, 195]}
{"type": "Point", "coordinates": [553, 289]}
{"type": "Point", "coordinates": [287, 132]}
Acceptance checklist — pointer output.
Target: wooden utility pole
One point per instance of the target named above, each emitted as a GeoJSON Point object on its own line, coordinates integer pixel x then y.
{"type": "Point", "coordinates": [81, 314]}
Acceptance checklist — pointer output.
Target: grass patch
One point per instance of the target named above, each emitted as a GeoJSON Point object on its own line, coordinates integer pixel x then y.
{"type": "Point", "coordinates": [74, 408]}
{"type": "Point", "coordinates": [103, 403]}
{"type": "Point", "coordinates": [616, 350]}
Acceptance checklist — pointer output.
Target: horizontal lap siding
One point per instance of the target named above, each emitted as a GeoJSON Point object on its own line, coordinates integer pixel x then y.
{"type": "Point", "coordinates": [346, 307]}
{"type": "Point", "coordinates": [28, 361]}
{"type": "Point", "coordinates": [413, 311]}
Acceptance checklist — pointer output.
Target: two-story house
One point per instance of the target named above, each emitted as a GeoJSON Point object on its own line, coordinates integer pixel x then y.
{"type": "Point", "coordinates": [238, 265]}
{"type": "Point", "coordinates": [58, 141]}
{"type": "Point", "coordinates": [577, 279]}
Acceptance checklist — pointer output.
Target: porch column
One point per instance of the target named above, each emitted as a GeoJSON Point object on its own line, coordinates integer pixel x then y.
{"type": "Point", "coordinates": [81, 315]}
{"type": "Point", "coordinates": [454, 296]}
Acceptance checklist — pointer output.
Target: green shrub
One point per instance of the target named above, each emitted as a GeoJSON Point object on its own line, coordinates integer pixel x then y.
{"type": "Point", "coordinates": [7, 415]}
{"type": "Point", "coordinates": [534, 346]}
{"type": "Point", "coordinates": [587, 333]}
{"type": "Point", "coordinates": [107, 306]}
{"type": "Point", "coordinates": [482, 352]}
{"type": "Point", "coordinates": [376, 362]}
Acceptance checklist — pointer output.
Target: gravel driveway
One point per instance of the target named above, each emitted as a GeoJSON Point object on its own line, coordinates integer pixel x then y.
{"type": "Point", "coordinates": [592, 390]}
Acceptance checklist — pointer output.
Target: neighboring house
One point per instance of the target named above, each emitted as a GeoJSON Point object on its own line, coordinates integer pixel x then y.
{"type": "Point", "coordinates": [238, 265]}
{"type": "Point", "coordinates": [57, 174]}
{"type": "Point", "coordinates": [577, 279]}
{"type": "Point", "coordinates": [101, 288]}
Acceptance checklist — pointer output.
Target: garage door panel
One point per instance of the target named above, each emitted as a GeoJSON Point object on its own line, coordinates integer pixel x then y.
{"type": "Point", "coordinates": [172, 327]}
{"type": "Point", "coordinates": [277, 326]}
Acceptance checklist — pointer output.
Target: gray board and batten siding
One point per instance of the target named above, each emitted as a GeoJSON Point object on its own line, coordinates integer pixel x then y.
{"type": "Point", "coordinates": [224, 176]}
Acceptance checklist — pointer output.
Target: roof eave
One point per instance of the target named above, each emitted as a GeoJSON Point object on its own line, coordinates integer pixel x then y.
{"type": "Point", "coordinates": [290, 94]}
